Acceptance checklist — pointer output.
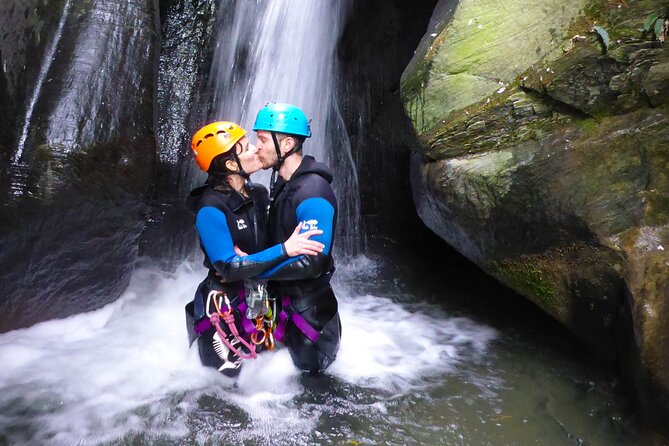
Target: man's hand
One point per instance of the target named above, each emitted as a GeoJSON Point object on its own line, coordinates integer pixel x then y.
{"type": "Point", "coordinates": [299, 244]}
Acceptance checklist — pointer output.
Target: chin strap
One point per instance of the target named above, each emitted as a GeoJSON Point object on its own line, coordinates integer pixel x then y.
{"type": "Point", "coordinates": [275, 169]}
{"type": "Point", "coordinates": [241, 172]}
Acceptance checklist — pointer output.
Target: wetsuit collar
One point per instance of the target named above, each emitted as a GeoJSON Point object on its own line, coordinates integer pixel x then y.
{"type": "Point", "coordinates": [310, 165]}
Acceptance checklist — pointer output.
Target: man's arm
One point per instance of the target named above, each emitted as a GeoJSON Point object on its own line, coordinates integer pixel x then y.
{"type": "Point", "coordinates": [212, 227]}
{"type": "Point", "coordinates": [314, 213]}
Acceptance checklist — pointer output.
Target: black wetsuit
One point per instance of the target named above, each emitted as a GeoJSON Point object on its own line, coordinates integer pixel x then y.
{"type": "Point", "coordinates": [225, 218]}
{"type": "Point", "coordinates": [308, 198]}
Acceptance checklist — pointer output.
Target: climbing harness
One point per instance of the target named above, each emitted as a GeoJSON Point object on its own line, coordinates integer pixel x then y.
{"type": "Point", "coordinates": [265, 323]}
{"type": "Point", "coordinates": [307, 330]}
{"type": "Point", "coordinates": [258, 309]}
{"type": "Point", "coordinates": [217, 297]}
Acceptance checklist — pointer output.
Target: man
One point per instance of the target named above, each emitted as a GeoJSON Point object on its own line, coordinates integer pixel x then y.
{"type": "Point", "coordinates": [302, 194]}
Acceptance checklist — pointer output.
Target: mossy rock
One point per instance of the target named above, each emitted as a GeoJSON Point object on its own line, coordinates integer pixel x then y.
{"type": "Point", "coordinates": [470, 58]}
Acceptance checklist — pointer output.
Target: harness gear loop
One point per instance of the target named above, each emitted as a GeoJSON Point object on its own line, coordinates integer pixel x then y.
{"type": "Point", "coordinates": [215, 295]}
{"type": "Point", "coordinates": [229, 319]}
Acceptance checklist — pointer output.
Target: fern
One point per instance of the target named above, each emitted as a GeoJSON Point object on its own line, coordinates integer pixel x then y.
{"type": "Point", "coordinates": [603, 35]}
{"type": "Point", "coordinates": [650, 21]}
{"type": "Point", "coordinates": [659, 27]}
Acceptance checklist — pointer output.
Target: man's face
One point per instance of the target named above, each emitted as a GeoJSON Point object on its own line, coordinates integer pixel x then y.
{"type": "Point", "coordinates": [266, 150]}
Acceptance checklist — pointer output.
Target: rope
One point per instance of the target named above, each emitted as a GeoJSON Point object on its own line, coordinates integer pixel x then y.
{"type": "Point", "coordinates": [229, 319]}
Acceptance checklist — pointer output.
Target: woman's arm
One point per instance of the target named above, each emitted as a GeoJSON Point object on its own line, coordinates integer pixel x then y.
{"type": "Point", "coordinates": [217, 241]}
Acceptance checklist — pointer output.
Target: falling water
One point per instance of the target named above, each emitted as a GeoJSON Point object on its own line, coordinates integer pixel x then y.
{"type": "Point", "coordinates": [284, 51]}
{"type": "Point", "coordinates": [49, 56]}
{"type": "Point", "coordinates": [18, 170]}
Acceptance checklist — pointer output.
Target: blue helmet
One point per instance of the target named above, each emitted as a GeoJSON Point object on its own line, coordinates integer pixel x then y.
{"type": "Point", "coordinates": [282, 118]}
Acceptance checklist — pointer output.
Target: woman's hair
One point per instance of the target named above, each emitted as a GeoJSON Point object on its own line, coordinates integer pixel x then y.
{"type": "Point", "coordinates": [219, 172]}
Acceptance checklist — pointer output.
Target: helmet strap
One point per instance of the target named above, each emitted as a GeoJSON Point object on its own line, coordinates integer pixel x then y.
{"type": "Point", "coordinates": [275, 169]}
{"type": "Point", "coordinates": [277, 165]}
{"type": "Point", "coordinates": [241, 172]}
{"type": "Point", "coordinates": [279, 158]}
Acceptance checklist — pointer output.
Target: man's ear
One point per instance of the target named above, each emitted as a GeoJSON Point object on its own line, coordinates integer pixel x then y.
{"type": "Point", "coordinates": [287, 145]}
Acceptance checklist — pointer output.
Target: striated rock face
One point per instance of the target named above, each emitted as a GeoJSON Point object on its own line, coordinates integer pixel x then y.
{"type": "Point", "coordinates": [544, 160]}
{"type": "Point", "coordinates": [76, 152]}
{"type": "Point", "coordinates": [187, 43]}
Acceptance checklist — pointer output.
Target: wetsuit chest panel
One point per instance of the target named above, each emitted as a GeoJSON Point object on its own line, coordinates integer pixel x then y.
{"type": "Point", "coordinates": [239, 215]}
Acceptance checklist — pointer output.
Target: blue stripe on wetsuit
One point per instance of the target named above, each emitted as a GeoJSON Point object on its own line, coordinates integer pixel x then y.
{"type": "Point", "coordinates": [314, 213]}
{"type": "Point", "coordinates": [212, 226]}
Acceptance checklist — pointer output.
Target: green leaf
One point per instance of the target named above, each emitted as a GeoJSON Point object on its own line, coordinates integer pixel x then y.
{"type": "Point", "coordinates": [659, 27]}
{"type": "Point", "coordinates": [603, 35]}
{"type": "Point", "coordinates": [650, 20]}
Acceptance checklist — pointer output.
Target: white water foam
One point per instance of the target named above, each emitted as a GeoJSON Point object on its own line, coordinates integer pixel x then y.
{"type": "Point", "coordinates": [126, 368]}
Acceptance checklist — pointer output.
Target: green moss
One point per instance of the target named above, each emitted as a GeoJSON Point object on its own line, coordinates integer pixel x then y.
{"type": "Point", "coordinates": [588, 126]}
{"type": "Point", "coordinates": [43, 153]}
{"type": "Point", "coordinates": [469, 60]}
{"type": "Point", "coordinates": [536, 279]}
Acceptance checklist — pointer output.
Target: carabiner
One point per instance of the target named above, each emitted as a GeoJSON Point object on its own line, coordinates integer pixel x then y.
{"type": "Point", "coordinates": [254, 337]}
{"type": "Point", "coordinates": [269, 341]}
{"type": "Point", "coordinates": [216, 297]}
{"type": "Point", "coordinates": [227, 302]}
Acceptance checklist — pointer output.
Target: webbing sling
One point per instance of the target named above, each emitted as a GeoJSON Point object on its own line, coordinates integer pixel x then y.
{"type": "Point", "coordinates": [301, 324]}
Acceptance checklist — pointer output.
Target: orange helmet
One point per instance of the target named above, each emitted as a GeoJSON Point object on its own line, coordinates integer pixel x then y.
{"type": "Point", "coordinates": [214, 139]}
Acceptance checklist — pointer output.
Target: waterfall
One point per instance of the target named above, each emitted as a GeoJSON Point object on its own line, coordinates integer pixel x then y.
{"type": "Point", "coordinates": [19, 169]}
{"type": "Point", "coordinates": [284, 51]}
{"type": "Point", "coordinates": [49, 56]}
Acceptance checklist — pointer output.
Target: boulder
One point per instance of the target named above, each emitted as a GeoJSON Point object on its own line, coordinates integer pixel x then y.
{"type": "Point", "coordinates": [553, 177]}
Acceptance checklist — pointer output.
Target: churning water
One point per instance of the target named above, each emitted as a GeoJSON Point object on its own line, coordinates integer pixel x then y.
{"type": "Point", "coordinates": [126, 370]}
{"type": "Point", "coordinates": [408, 373]}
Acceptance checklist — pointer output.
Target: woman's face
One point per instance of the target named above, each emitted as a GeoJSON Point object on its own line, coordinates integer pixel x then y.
{"type": "Point", "coordinates": [248, 156]}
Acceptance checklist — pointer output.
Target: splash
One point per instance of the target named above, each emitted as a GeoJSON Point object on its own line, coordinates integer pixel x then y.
{"type": "Point", "coordinates": [126, 369]}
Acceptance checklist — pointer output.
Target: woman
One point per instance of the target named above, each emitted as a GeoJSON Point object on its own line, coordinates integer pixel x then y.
{"type": "Point", "coordinates": [230, 219]}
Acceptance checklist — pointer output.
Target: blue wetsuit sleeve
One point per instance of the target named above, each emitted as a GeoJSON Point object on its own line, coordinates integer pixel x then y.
{"type": "Point", "coordinates": [314, 213]}
{"type": "Point", "coordinates": [212, 227]}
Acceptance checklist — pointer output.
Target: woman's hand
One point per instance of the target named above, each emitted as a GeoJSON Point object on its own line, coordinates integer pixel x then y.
{"type": "Point", "coordinates": [299, 244]}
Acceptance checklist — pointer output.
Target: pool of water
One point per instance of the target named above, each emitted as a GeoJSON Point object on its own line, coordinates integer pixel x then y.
{"type": "Point", "coordinates": [417, 365]}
